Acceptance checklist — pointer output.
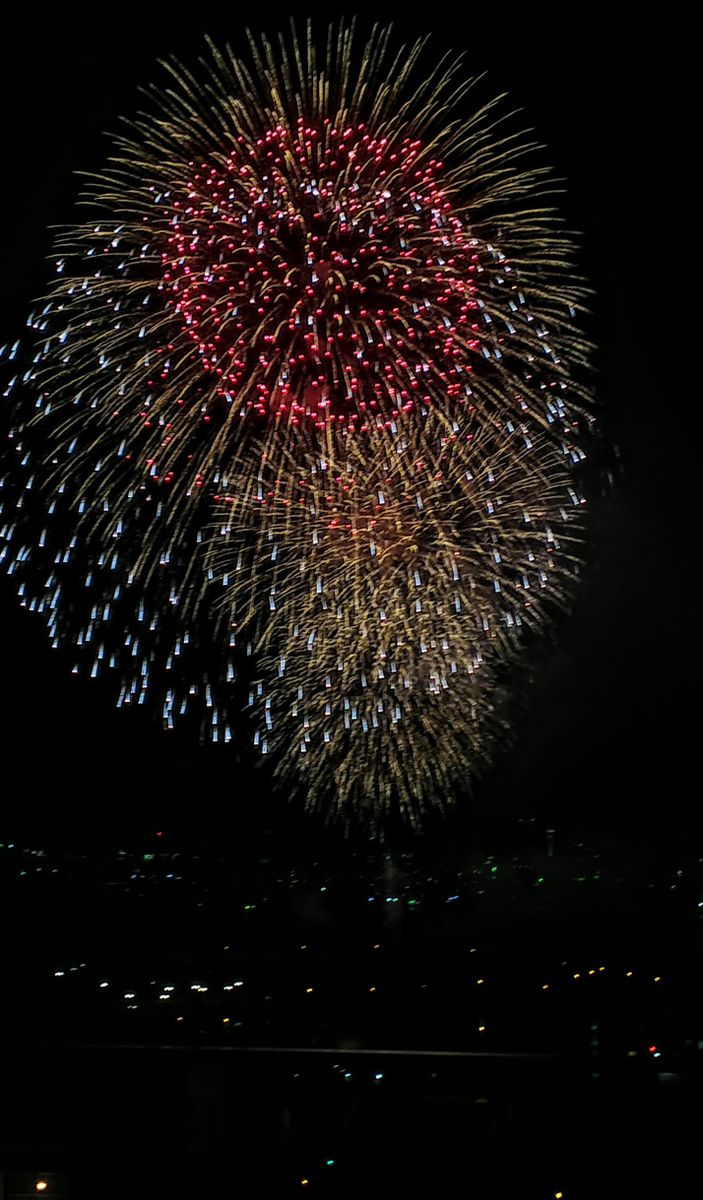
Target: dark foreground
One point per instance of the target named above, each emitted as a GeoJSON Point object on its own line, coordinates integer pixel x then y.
{"type": "Point", "coordinates": [132, 1123]}
{"type": "Point", "coordinates": [525, 1026]}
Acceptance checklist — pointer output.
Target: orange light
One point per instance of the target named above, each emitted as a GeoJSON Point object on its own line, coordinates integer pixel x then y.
{"type": "Point", "coordinates": [41, 1185]}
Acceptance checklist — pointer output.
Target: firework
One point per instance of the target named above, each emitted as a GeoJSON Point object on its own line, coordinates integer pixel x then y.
{"type": "Point", "coordinates": [307, 397]}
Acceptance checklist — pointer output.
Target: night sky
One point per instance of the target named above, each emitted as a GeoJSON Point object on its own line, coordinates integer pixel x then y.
{"type": "Point", "coordinates": [603, 744]}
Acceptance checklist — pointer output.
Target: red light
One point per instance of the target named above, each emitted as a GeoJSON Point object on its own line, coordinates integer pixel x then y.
{"type": "Point", "coordinates": [651, 1049]}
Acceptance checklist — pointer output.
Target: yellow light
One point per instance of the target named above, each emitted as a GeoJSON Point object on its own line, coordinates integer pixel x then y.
{"type": "Point", "coordinates": [225, 1020]}
{"type": "Point", "coordinates": [372, 989]}
{"type": "Point", "coordinates": [308, 990]}
{"type": "Point", "coordinates": [482, 1028]}
{"type": "Point", "coordinates": [591, 972]}
{"type": "Point", "coordinates": [545, 987]}
{"type": "Point", "coordinates": [577, 975]}
{"type": "Point", "coordinates": [41, 1185]}
{"type": "Point", "coordinates": [558, 1195]}
{"type": "Point", "coordinates": [657, 978]}
{"type": "Point", "coordinates": [304, 1182]}
{"type": "Point", "coordinates": [601, 968]}
{"type": "Point", "coordinates": [480, 981]}
{"type": "Point", "coordinates": [628, 973]}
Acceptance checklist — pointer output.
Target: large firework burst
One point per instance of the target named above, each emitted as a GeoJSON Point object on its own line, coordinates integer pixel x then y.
{"type": "Point", "coordinates": [306, 409]}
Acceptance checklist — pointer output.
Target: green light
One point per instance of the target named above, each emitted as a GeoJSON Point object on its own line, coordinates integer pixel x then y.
{"type": "Point", "coordinates": [330, 1162]}
{"type": "Point", "coordinates": [148, 857]}
{"type": "Point", "coordinates": [493, 870]}
{"type": "Point", "coordinates": [541, 879]}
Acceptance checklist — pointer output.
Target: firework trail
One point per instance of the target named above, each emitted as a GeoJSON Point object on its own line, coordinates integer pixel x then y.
{"type": "Point", "coordinates": [304, 415]}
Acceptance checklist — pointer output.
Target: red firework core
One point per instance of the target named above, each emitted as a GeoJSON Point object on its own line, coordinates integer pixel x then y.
{"type": "Point", "coordinates": [322, 275]}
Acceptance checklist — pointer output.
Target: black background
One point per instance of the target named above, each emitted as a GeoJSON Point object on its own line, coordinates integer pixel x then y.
{"type": "Point", "coordinates": [604, 745]}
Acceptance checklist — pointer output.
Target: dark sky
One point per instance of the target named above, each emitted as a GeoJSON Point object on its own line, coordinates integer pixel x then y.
{"type": "Point", "coordinates": [605, 743]}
